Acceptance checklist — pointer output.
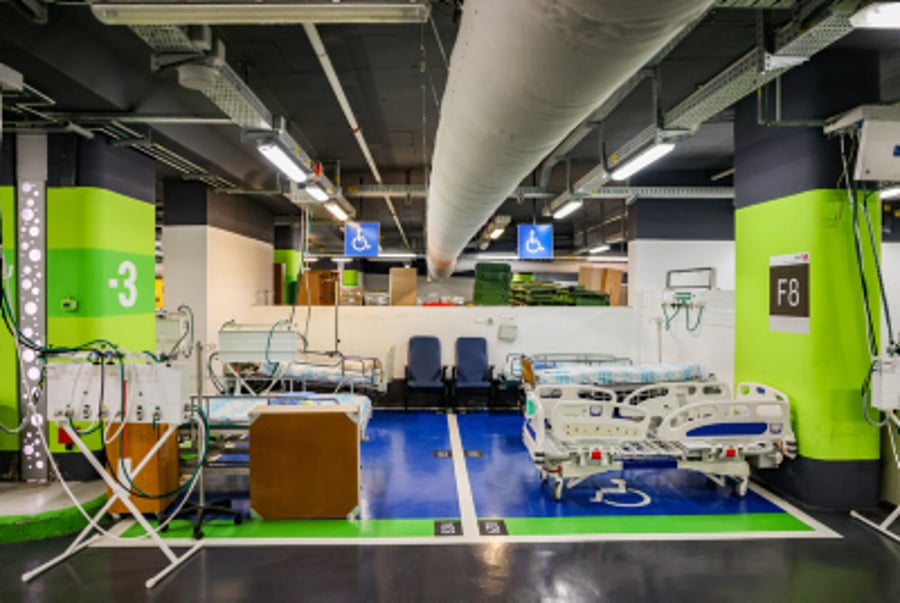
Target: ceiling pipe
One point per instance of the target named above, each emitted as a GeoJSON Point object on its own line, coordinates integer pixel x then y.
{"type": "Point", "coordinates": [313, 34]}
{"type": "Point", "coordinates": [522, 76]}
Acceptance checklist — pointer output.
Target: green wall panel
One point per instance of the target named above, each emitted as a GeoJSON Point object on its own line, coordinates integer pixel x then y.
{"type": "Point", "coordinates": [291, 260]}
{"type": "Point", "coordinates": [822, 371]}
{"type": "Point", "coordinates": [101, 252]}
{"type": "Point", "coordinates": [9, 390]}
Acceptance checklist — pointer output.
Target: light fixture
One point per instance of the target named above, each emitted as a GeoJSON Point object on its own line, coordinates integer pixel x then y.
{"type": "Point", "coordinates": [497, 232]}
{"type": "Point", "coordinates": [567, 209]}
{"type": "Point", "coordinates": [245, 13]}
{"type": "Point", "coordinates": [278, 157]}
{"type": "Point", "coordinates": [635, 164]}
{"type": "Point", "coordinates": [608, 258]}
{"type": "Point", "coordinates": [599, 249]}
{"type": "Point", "coordinates": [878, 15]}
{"type": "Point", "coordinates": [337, 211]}
{"type": "Point", "coordinates": [318, 193]}
{"type": "Point", "coordinates": [892, 192]}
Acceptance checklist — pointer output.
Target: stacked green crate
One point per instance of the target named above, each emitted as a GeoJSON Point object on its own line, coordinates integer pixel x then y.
{"type": "Point", "coordinates": [492, 284]}
{"type": "Point", "coordinates": [585, 297]}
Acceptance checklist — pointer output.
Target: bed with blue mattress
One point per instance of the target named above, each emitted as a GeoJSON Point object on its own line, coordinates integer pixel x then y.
{"type": "Point", "coordinates": [233, 412]}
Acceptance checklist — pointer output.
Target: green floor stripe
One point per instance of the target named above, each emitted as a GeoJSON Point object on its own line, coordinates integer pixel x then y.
{"type": "Point", "coordinates": [19, 528]}
{"type": "Point", "coordinates": [655, 524]}
{"type": "Point", "coordinates": [301, 528]}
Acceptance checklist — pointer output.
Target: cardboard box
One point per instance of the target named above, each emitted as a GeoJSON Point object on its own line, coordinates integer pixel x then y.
{"type": "Point", "coordinates": [402, 286]}
{"type": "Point", "coordinates": [591, 278]}
{"type": "Point", "coordinates": [160, 475]}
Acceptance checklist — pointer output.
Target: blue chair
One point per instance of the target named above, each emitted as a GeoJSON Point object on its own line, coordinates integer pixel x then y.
{"type": "Point", "coordinates": [472, 373]}
{"type": "Point", "coordinates": [424, 371]}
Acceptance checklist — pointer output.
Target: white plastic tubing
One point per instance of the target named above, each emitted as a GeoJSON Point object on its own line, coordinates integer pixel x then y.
{"type": "Point", "coordinates": [523, 74]}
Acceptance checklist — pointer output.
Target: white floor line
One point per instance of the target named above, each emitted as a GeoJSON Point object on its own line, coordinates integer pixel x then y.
{"type": "Point", "coordinates": [463, 487]}
{"type": "Point", "coordinates": [820, 528]}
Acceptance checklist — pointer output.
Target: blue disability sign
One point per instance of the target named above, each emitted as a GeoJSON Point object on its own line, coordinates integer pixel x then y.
{"type": "Point", "coordinates": [361, 239]}
{"type": "Point", "coordinates": [535, 241]}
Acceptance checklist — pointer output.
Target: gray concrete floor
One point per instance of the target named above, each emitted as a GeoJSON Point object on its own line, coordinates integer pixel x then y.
{"type": "Point", "coordinates": [861, 567]}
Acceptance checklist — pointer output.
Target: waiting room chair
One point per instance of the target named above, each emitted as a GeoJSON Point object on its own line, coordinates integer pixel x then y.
{"type": "Point", "coordinates": [472, 372]}
{"type": "Point", "coordinates": [424, 371]}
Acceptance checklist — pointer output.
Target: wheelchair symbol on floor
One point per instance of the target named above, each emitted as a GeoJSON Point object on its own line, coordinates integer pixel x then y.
{"type": "Point", "coordinates": [619, 488]}
{"type": "Point", "coordinates": [533, 245]}
{"type": "Point", "coordinates": [359, 242]}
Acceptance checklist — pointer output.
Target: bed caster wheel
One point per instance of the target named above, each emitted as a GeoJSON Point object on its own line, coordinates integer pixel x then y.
{"type": "Point", "coordinates": [238, 520]}
{"type": "Point", "coordinates": [741, 486]}
{"type": "Point", "coordinates": [557, 490]}
{"type": "Point", "coordinates": [198, 534]}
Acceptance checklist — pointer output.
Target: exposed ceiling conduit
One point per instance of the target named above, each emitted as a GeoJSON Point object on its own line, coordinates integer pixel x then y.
{"type": "Point", "coordinates": [522, 76]}
{"type": "Point", "coordinates": [322, 54]}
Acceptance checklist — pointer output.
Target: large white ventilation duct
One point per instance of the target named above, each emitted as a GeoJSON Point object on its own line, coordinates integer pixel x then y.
{"type": "Point", "coordinates": [522, 76]}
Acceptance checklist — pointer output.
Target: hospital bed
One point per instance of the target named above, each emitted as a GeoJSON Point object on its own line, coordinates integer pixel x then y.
{"type": "Point", "coordinates": [574, 432]}
{"type": "Point", "coordinates": [261, 359]}
{"type": "Point", "coordinates": [233, 412]}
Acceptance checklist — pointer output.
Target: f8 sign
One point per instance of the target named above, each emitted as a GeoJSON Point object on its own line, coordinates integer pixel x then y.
{"type": "Point", "coordinates": [789, 293]}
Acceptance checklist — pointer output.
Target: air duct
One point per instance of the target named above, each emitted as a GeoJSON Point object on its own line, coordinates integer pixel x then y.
{"type": "Point", "coordinates": [522, 76]}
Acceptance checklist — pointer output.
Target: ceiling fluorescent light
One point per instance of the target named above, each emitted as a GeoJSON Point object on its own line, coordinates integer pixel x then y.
{"type": "Point", "coordinates": [284, 162]}
{"type": "Point", "coordinates": [891, 192]}
{"type": "Point", "coordinates": [641, 160]}
{"type": "Point", "coordinates": [878, 15]}
{"type": "Point", "coordinates": [599, 249]}
{"type": "Point", "coordinates": [567, 209]}
{"type": "Point", "coordinates": [337, 211]}
{"type": "Point", "coordinates": [497, 233]}
{"type": "Point", "coordinates": [246, 13]}
{"type": "Point", "coordinates": [317, 192]}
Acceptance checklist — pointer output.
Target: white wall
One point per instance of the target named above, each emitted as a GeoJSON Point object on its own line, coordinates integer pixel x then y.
{"type": "Point", "coordinates": [240, 273]}
{"type": "Point", "coordinates": [649, 260]}
{"type": "Point", "coordinates": [711, 345]}
{"type": "Point", "coordinates": [370, 331]}
{"type": "Point", "coordinates": [217, 273]}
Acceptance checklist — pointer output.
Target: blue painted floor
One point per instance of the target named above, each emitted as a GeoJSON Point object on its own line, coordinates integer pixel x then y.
{"type": "Point", "coordinates": [401, 478]}
{"type": "Point", "coordinates": [505, 483]}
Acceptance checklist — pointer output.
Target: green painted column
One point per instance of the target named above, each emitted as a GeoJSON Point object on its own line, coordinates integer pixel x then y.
{"type": "Point", "coordinates": [791, 201]}
{"type": "Point", "coordinates": [100, 271]}
{"type": "Point", "coordinates": [287, 245]}
{"type": "Point", "coordinates": [9, 382]}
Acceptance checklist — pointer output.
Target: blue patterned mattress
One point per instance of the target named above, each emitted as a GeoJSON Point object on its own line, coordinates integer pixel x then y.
{"type": "Point", "coordinates": [308, 373]}
{"type": "Point", "coordinates": [613, 374]}
{"type": "Point", "coordinates": [234, 410]}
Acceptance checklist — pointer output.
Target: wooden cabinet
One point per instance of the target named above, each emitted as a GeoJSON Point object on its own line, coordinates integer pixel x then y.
{"type": "Point", "coordinates": [321, 285]}
{"type": "Point", "coordinates": [160, 475]}
{"type": "Point", "coordinates": [304, 461]}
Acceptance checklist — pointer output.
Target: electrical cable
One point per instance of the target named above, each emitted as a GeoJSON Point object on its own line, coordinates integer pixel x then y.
{"type": "Point", "coordinates": [669, 318]}
{"type": "Point", "coordinates": [881, 287]}
{"type": "Point", "coordinates": [687, 319]}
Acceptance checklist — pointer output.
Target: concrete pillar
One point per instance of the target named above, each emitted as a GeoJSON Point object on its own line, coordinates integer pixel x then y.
{"type": "Point", "coordinates": [789, 201]}
{"type": "Point", "coordinates": [217, 255]}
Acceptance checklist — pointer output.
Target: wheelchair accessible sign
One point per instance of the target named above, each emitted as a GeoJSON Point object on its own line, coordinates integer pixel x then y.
{"type": "Point", "coordinates": [361, 239]}
{"type": "Point", "coordinates": [535, 241]}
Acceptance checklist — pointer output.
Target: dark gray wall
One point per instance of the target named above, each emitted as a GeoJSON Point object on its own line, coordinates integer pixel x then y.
{"type": "Point", "coordinates": [194, 203]}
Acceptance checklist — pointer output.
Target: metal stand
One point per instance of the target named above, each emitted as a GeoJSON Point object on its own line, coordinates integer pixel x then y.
{"type": "Point", "coordinates": [118, 493]}
{"type": "Point", "coordinates": [202, 510]}
{"type": "Point", "coordinates": [884, 527]}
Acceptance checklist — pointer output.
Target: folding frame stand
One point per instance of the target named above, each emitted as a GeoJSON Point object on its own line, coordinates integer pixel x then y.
{"type": "Point", "coordinates": [82, 541]}
{"type": "Point", "coordinates": [883, 528]}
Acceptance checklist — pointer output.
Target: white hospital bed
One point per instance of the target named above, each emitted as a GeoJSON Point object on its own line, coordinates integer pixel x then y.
{"type": "Point", "coordinates": [573, 432]}
{"type": "Point", "coordinates": [233, 412]}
